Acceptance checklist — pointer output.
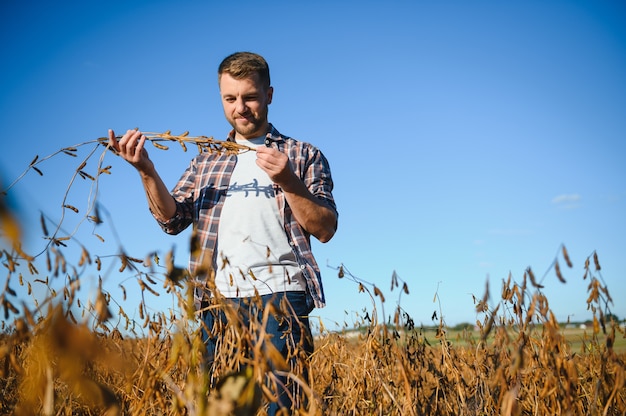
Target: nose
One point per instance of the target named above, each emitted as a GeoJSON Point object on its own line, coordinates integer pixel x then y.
{"type": "Point", "coordinates": [241, 106]}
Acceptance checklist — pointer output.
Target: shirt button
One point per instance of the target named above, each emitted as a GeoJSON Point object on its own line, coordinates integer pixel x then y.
{"type": "Point", "coordinates": [302, 266]}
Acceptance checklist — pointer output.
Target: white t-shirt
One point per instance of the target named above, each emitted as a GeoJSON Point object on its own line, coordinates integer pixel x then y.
{"type": "Point", "coordinates": [252, 249]}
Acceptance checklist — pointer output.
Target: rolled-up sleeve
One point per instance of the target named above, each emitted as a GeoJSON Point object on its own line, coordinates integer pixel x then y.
{"type": "Point", "coordinates": [179, 222]}
{"type": "Point", "coordinates": [318, 179]}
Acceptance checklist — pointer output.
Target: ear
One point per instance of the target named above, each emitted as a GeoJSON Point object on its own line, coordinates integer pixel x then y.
{"type": "Point", "coordinates": [270, 93]}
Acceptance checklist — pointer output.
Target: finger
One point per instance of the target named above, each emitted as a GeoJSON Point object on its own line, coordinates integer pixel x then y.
{"type": "Point", "coordinates": [129, 141]}
{"type": "Point", "coordinates": [112, 140]}
{"type": "Point", "coordinates": [134, 135]}
{"type": "Point", "coordinates": [141, 139]}
{"type": "Point", "coordinates": [266, 153]}
{"type": "Point", "coordinates": [125, 138]}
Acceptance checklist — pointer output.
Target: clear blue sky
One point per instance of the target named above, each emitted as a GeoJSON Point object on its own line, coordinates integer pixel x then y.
{"type": "Point", "coordinates": [468, 140]}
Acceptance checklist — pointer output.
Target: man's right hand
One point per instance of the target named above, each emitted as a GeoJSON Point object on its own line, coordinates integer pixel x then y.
{"type": "Point", "coordinates": [131, 148]}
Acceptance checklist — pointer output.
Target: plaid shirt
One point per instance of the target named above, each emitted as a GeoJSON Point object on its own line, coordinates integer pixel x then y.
{"type": "Point", "coordinates": [200, 193]}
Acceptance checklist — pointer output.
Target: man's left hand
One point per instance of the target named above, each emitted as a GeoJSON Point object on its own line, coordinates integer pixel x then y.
{"type": "Point", "coordinates": [276, 164]}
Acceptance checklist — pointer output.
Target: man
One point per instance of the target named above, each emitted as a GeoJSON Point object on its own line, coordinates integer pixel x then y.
{"type": "Point", "coordinates": [253, 214]}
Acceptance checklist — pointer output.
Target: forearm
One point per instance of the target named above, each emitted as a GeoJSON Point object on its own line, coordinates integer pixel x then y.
{"type": "Point", "coordinates": [313, 214]}
{"type": "Point", "coordinates": [160, 201]}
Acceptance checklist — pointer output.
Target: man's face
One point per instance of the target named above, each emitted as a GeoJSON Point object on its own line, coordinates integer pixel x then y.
{"type": "Point", "coordinates": [245, 104]}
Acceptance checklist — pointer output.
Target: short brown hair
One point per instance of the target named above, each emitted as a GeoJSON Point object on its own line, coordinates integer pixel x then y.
{"type": "Point", "coordinates": [244, 64]}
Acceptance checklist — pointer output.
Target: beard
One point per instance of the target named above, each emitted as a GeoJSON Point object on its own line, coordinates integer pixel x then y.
{"type": "Point", "coordinates": [250, 129]}
{"type": "Point", "coordinates": [251, 126]}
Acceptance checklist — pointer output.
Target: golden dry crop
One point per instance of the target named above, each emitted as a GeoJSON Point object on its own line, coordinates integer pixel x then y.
{"type": "Point", "coordinates": [64, 355]}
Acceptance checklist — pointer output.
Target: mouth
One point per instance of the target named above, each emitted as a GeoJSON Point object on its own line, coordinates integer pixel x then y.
{"type": "Point", "coordinates": [244, 119]}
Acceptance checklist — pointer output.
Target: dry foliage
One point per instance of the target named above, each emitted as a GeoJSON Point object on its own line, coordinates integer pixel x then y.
{"type": "Point", "coordinates": [65, 356]}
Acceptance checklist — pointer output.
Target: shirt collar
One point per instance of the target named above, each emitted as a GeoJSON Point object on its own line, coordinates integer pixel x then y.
{"type": "Point", "coordinates": [273, 134]}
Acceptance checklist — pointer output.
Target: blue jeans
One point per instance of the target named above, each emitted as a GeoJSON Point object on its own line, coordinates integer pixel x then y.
{"type": "Point", "coordinates": [288, 328]}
